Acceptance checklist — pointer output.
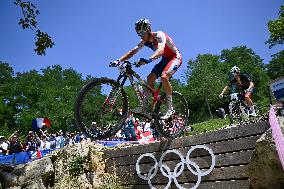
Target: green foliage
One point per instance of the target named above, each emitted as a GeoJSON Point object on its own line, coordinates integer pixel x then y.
{"type": "Point", "coordinates": [43, 41]}
{"type": "Point", "coordinates": [204, 83]}
{"type": "Point", "coordinates": [276, 29]}
{"type": "Point", "coordinates": [30, 12]}
{"type": "Point", "coordinates": [30, 95]}
{"type": "Point", "coordinates": [207, 126]}
{"type": "Point", "coordinates": [275, 68]}
{"type": "Point", "coordinates": [76, 166]}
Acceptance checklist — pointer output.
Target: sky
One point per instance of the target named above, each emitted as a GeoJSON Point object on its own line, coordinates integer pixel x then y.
{"type": "Point", "coordinates": [88, 34]}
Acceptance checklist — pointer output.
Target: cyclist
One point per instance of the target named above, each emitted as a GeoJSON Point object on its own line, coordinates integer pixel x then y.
{"type": "Point", "coordinates": [163, 46]}
{"type": "Point", "coordinates": [244, 83]}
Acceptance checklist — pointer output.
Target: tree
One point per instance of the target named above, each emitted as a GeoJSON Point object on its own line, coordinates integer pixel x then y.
{"type": "Point", "coordinates": [30, 95]}
{"type": "Point", "coordinates": [30, 12]}
{"type": "Point", "coordinates": [204, 84]}
{"type": "Point", "coordinates": [7, 108]}
{"type": "Point", "coordinates": [276, 29]}
{"type": "Point", "coordinates": [275, 68]}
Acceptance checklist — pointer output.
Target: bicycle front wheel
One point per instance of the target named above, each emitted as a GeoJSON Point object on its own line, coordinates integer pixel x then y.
{"type": "Point", "coordinates": [176, 124]}
{"type": "Point", "coordinates": [235, 113]}
{"type": "Point", "coordinates": [101, 108]}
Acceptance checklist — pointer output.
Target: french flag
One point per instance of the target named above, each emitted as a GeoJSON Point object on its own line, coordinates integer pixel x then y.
{"type": "Point", "coordinates": [38, 123]}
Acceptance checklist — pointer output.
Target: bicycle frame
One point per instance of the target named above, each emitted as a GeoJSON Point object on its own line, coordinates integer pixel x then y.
{"type": "Point", "coordinates": [237, 99]}
{"type": "Point", "coordinates": [129, 73]}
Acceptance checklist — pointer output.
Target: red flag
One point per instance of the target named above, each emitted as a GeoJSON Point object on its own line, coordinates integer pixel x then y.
{"type": "Point", "coordinates": [46, 122]}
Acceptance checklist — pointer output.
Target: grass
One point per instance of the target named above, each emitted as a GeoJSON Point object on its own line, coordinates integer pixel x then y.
{"type": "Point", "coordinates": [207, 126]}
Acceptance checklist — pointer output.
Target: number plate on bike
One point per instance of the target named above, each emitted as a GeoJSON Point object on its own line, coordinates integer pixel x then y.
{"type": "Point", "coordinates": [234, 96]}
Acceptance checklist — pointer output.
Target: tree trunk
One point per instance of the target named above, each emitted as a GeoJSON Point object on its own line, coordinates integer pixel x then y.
{"type": "Point", "coordinates": [209, 107]}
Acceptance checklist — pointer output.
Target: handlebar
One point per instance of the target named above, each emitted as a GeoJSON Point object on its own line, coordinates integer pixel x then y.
{"type": "Point", "coordinates": [117, 64]}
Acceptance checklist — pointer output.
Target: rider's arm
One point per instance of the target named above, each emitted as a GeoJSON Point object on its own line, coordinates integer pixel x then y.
{"type": "Point", "coordinates": [224, 90]}
{"type": "Point", "coordinates": [161, 38]}
{"type": "Point", "coordinates": [132, 52]}
{"type": "Point", "coordinates": [251, 85]}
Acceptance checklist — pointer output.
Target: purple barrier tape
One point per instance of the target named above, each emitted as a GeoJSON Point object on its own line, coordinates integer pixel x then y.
{"type": "Point", "coordinates": [277, 135]}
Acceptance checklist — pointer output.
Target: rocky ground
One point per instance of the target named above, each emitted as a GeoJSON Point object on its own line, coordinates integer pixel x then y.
{"type": "Point", "coordinates": [76, 166]}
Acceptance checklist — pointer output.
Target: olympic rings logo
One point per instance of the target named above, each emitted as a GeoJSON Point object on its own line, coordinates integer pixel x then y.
{"type": "Point", "coordinates": [179, 168]}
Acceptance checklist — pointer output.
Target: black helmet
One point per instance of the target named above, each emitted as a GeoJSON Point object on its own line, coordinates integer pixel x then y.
{"type": "Point", "coordinates": [142, 26]}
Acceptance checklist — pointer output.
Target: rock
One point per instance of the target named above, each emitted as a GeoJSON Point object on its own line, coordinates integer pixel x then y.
{"type": "Point", "coordinates": [34, 174]}
{"type": "Point", "coordinates": [90, 156]}
{"type": "Point", "coordinates": [8, 180]}
{"type": "Point", "coordinates": [265, 168]}
{"type": "Point", "coordinates": [6, 168]}
{"type": "Point", "coordinates": [74, 166]}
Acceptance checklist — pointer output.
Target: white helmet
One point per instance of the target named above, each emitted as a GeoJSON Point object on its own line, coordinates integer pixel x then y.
{"type": "Point", "coordinates": [142, 26]}
{"type": "Point", "coordinates": [234, 70]}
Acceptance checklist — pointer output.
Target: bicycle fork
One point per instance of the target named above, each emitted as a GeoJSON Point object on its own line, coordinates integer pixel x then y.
{"type": "Point", "coordinates": [110, 100]}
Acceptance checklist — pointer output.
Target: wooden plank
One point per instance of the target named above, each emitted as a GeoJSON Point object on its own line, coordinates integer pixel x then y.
{"type": "Point", "coordinates": [220, 135]}
{"type": "Point", "coordinates": [217, 148]}
{"type": "Point", "coordinates": [233, 184]}
{"type": "Point", "coordinates": [222, 160]}
{"type": "Point", "coordinates": [224, 173]}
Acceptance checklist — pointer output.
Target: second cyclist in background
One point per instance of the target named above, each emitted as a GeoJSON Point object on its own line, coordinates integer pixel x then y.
{"type": "Point", "coordinates": [163, 46]}
{"type": "Point", "coordinates": [243, 83]}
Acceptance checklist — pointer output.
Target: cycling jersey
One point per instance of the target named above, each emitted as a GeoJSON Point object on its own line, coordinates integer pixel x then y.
{"type": "Point", "coordinates": [171, 57]}
{"type": "Point", "coordinates": [244, 82]}
{"type": "Point", "coordinates": [241, 86]}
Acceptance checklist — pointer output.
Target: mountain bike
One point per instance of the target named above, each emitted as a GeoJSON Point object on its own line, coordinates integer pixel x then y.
{"type": "Point", "coordinates": [101, 107]}
{"type": "Point", "coordinates": [239, 109]}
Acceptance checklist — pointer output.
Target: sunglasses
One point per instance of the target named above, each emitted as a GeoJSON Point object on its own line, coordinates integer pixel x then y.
{"type": "Point", "coordinates": [141, 34]}
{"type": "Point", "coordinates": [236, 72]}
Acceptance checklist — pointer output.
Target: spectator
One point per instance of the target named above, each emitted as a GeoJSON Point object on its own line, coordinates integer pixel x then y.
{"type": "Point", "coordinates": [83, 138]}
{"type": "Point", "coordinates": [3, 146]}
{"type": "Point", "coordinates": [69, 139]}
{"type": "Point", "coordinates": [32, 142]}
{"type": "Point", "coordinates": [44, 143]}
{"type": "Point", "coordinates": [78, 137]}
{"type": "Point", "coordinates": [155, 133]}
{"type": "Point", "coordinates": [221, 113]}
{"type": "Point", "coordinates": [146, 126]}
{"type": "Point", "coordinates": [60, 140]}
{"type": "Point", "coordinates": [138, 129]}
{"type": "Point", "coordinates": [15, 146]}
{"type": "Point", "coordinates": [118, 135]}
{"type": "Point", "coordinates": [94, 129]}
{"type": "Point", "coordinates": [129, 128]}
{"type": "Point", "coordinates": [52, 140]}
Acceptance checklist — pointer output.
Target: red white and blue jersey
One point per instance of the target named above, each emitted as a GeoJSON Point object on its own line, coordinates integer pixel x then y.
{"type": "Point", "coordinates": [162, 41]}
{"type": "Point", "coordinates": [171, 57]}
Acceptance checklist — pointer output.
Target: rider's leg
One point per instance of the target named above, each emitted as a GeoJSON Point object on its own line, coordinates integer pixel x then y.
{"type": "Point", "coordinates": [249, 102]}
{"type": "Point", "coordinates": [151, 78]}
{"type": "Point", "coordinates": [168, 89]}
{"type": "Point", "coordinates": [169, 70]}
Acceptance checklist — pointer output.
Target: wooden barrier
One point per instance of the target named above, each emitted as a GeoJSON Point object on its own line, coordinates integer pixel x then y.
{"type": "Point", "coordinates": [232, 148]}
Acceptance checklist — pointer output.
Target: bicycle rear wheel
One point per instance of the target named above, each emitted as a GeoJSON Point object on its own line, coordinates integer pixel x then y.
{"type": "Point", "coordinates": [176, 124]}
{"type": "Point", "coordinates": [101, 108]}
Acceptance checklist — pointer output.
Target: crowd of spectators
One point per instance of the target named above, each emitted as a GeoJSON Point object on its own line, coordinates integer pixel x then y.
{"type": "Point", "coordinates": [138, 129]}
{"type": "Point", "coordinates": [39, 141]}
{"type": "Point", "coordinates": [133, 130]}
